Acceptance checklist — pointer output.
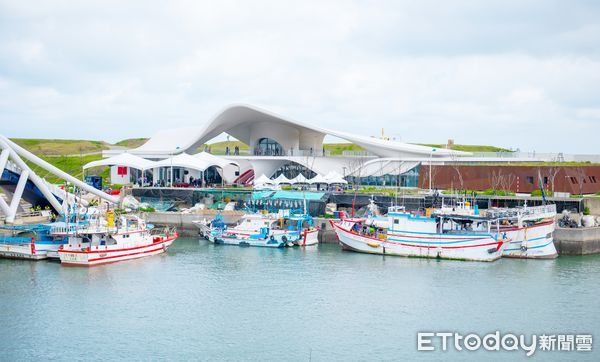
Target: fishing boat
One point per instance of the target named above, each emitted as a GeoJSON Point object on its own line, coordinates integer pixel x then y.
{"type": "Point", "coordinates": [443, 235]}
{"type": "Point", "coordinates": [105, 241]}
{"type": "Point", "coordinates": [266, 230]}
{"type": "Point", "coordinates": [40, 240]}
{"type": "Point", "coordinates": [33, 242]}
{"type": "Point", "coordinates": [530, 231]}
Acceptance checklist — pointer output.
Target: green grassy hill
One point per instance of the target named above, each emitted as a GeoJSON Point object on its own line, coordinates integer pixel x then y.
{"type": "Point", "coordinates": [70, 155]}
{"type": "Point", "coordinates": [469, 148]}
{"type": "Point", "coordinates": [57, 147]}
{"type": "Point", "coordinates": [131, 142]}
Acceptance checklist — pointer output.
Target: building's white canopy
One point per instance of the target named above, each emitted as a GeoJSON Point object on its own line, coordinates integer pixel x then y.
{"type": "Point", "coordinates": [318, 179]}
{"type": "Point", "coordinates": [335, 178]}
{"type": "Point", "coordinates": [241, 121]}
{"type": "Point", "coordinates": [186, 161]}
{"type": "Point", "coordinates": [281, 179]}
{"type": "Point", "coordinates": [263, 180]}
{"type": "Point", "coordinates": [383, 166]}
{"type": "Point", "coordinates": [123, 159]}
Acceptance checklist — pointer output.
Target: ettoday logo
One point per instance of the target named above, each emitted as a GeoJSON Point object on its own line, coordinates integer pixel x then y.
{"type": "Point", "coordinates": [496, 341]}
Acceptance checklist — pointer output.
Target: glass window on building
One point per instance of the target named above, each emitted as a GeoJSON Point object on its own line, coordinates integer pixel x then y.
{"type": "Point", "coordinates": [268, 147]}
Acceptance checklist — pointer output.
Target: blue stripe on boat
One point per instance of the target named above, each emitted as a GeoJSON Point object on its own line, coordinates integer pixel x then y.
{"type": "Point", "coordinates": [530, 247]}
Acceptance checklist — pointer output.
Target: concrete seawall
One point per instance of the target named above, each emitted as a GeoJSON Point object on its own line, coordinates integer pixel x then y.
{"type": "Point", "coordinates": [184, 222]}
{"type": "Point", "coordinates": [580, 241]}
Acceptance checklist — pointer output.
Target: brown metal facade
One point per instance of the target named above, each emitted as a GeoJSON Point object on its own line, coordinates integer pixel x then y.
{"type": "Point", "coordinates": [572, 179]}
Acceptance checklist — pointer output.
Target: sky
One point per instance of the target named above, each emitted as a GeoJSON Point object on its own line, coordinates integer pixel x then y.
{"type": "Point", "coordinates": [518, 74]}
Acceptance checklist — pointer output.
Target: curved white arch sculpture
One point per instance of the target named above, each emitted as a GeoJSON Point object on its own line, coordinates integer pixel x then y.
{"type": "Point", "coordinates": [13, 152]}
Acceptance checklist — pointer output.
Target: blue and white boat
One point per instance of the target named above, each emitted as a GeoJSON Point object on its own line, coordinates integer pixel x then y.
{"type": "Point", "coordinates": [34, 241]}
{"type": "Point", "coordinates": [440, 235]}
{"type": "Point", "coordinates": [41, 240]}
{"type": "Point", "coordinates": [529, 230]}
{"type": "Point", "coordinates": [266, 230]}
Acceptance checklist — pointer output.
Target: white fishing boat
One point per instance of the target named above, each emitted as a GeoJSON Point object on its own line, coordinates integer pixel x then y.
{"type": "Point", "coordinates": [440, 235]}
{"type": "Point", "coordinates": [106, 241]}
{"type": "Point", "coordinates": [268, 230]}
{"type": "Point", "coordinates": [529, 230]}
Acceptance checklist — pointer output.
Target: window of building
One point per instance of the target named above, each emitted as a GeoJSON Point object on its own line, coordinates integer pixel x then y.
{"type": "Point", "coordinates": [530, 179]}
{"type": "Point", "coordinates": [573, 180]}
{"type": "Point", "coordinates": [593, 179]}
{"type": "Point", "coordinates": [268, 147]}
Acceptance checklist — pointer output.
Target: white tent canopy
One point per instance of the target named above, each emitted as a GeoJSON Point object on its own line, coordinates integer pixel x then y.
{"type": "Point", "coordinates": [263, 180]}
{"type": "Point", "coordinates": [300, 179]}
{"type": "Point", "coordinates": [123, 159]}
{"type": "Point", "coordinates": [318, 179]}
{"type": "Point", "coordinates": [186, 161]}
{"type": "Point", "coordinates": [281, 179]}
{"type": "Point", "coordinates": [335, 178]}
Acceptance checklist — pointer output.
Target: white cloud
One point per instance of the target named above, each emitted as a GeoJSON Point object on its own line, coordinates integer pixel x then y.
{"type": "Point", "coordinates": [492, 72]}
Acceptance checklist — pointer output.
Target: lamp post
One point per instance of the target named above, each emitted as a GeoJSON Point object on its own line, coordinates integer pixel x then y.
{"type": "Point", "coordinates": [430, 159]}
{"type": "Point", "coordinates": [172, 155]}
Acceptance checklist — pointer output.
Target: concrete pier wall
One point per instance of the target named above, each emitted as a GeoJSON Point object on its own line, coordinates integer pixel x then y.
{"type": "Point", "coordinates": [326, 233]}
{"type": "Point", "coordinates": [593, 204]}
{"type": "Point", "coordinates": [580, 241]}
{"type": "Point", "coordinates": [184, 222]}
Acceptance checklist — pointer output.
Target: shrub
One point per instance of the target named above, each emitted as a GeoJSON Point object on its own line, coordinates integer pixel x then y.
{"type": "Point", "coordinates": [586, 210]}
{"type": "Point", "coordinates": [539, 193]}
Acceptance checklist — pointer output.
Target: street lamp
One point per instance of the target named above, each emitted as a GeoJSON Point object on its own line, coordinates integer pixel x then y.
{"type": "Point", "coordinates": [172, 155]}
{"type": "Point", "coordinates": [430, 159]}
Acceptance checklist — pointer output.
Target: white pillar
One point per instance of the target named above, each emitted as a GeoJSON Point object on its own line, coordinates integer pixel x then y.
{"type": "Point", "coordinates": [155, 171]}
{"type": "Point", "coordinates": [14, 204]}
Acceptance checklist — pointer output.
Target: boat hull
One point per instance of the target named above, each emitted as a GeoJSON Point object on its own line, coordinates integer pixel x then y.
{"type": "Point", "coordinates": [266, 243]}
{"type": "Point", "coordinates": [458, 247]}
{"type": "Point", "coordinates": [22, 251]}
{"type": "Point", "coordinates": [533, 242]}
{"type": "Point", "coordinates": [309, 237]}
{"type": "Point", "coordinates": [105, 254]}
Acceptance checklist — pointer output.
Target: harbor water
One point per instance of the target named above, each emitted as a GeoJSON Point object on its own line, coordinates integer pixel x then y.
{"type": "Point", "coordinates": [213, 302]}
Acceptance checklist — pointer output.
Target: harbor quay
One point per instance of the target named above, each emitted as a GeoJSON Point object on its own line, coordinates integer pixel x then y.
{"type": "Point", "coordinates": [568, 241]}
{"type": "Point", "coordinates": [583, 241]}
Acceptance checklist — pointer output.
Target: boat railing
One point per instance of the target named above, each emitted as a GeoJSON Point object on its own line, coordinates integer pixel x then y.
{"type": "Point", "coordinates": [514, 213]}
{"type": "Point", "coordinates": [396, 208]}
{"type": "Point", "coordinates": [63, 229]}
{"type": "Point", "coordinates": [536, 210]}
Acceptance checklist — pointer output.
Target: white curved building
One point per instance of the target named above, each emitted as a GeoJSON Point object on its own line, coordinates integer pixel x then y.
{"type": "Point", "coordinates": [276, 141]}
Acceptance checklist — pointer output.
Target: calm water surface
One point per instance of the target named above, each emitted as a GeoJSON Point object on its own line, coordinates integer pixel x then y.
{"type": "Point", "coordinates": [201, 301]}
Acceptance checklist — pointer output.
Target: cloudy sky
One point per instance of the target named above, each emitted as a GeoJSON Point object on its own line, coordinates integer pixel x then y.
{"type": "Point", "coordinates": [521, 74]}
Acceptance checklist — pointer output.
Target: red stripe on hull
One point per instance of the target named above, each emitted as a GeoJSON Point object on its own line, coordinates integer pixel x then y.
{"type": "Point", "coordinates": [109, 259]}
{"type": "Point", "coordinates": [117, 250]}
